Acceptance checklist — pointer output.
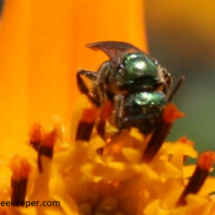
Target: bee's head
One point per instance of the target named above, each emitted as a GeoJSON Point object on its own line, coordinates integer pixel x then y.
{"type": "Point", "coordinates": [136, 67]}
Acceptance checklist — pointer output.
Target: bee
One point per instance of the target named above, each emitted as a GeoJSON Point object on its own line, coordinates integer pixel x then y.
{"type": "Point", "coordinates": [135, 85]}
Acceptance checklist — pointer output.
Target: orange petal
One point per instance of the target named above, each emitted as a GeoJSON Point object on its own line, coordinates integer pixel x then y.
{"type": "Point", "coordinates": [42, 47]}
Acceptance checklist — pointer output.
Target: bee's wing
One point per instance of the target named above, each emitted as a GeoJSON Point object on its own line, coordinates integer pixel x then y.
{"type": "Point", "coordinates": [113, 49]}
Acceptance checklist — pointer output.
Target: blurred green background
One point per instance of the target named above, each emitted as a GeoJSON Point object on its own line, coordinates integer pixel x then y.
{"type": "Point", "coordinates": [181, 36]}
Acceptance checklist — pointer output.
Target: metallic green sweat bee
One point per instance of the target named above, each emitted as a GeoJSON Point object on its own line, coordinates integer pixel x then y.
{"type": "Point", "coordinates": [135, 84]}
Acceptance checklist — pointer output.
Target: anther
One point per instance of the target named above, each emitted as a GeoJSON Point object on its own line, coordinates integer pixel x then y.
{"type": "Point", "coordinates": [20, 171]}
{"type": "Point", "coordinates": [86, 124]}
{"type": "Point", "coordinates": [36, 134]}
{"type": "Point", "coordinates": [161, 131]}
{"type": "Point", "coordinates": [46, 148]}
{"type": "Point", "coordinates": [205, 162]}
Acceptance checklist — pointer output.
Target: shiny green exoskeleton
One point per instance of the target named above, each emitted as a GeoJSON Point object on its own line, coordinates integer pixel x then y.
{"type": "Point", "coordinates": [137, 86]}
{"type": "Point", "coordinates": [136, 72]}
{"type": "Point", "coordinates": [143, 110]}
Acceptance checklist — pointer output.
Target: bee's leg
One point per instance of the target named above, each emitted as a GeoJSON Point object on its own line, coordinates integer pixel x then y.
{"type": "Point", "coordinates": [100, 127]}
{"type": "Point", "coordinates": [119, 108]}
{"type": "Point", "coordinates": [134, 118]}
{"type": "Point", "coordinates": [89, 74]}
{"type": "Point", "coordinates": [93, 97]}
{"type": "Point", "coordinates": [167, 81]}
{"type": "Point", "coordinates": [176, 88]}
{"type": "Point", "coordinates": [103, 73]}
{"type": "Point", "coordinates": [106, 111]}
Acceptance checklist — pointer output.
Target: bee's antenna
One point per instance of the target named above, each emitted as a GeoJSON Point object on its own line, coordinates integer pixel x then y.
{"type": "Point", "coordinates": [176, 88]}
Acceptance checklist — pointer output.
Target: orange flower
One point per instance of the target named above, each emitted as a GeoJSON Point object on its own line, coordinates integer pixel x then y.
{"type": "Point", "coordinates": [41, 49]}
{"type": "Point", "coordinates": [42, 45]}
